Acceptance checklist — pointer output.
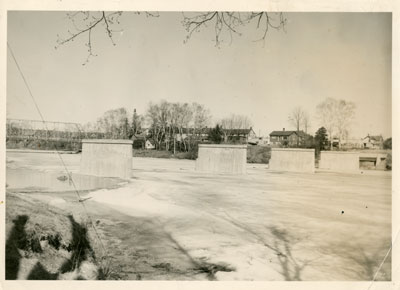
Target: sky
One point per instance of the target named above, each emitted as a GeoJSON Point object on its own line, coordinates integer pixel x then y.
{"type": "Point", "coordinates": [318, 56]}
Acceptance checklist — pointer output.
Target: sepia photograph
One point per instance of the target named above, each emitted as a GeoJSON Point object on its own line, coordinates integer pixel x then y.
{"type": "Point", "coordinates": [198, 146]}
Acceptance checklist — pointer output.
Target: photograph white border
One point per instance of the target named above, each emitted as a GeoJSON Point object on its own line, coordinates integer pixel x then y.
{"type": "Point", "coordinates": [206, 5]}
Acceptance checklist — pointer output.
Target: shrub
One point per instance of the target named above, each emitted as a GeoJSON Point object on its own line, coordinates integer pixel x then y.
{"type": "Point", "coordinates": [193, 152]}
{"type": "Point", "coordinates": [43, 144]}
{"type": "Point", "coordinates": [387, 144]}
{"type": "Point", "coordinates": [389, 161]}
{"type": "Point", "coordinates": [258, 154]}
{"type": "Point", "coordinates": [151, 153]}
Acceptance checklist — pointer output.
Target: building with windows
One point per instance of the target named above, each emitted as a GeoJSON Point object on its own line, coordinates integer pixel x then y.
{"type": "Point", "coordinates": [286, 138]}
{"type": "Point", "coordinates": [372, 142]}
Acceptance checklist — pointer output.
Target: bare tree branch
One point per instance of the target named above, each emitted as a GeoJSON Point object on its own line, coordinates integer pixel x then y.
{"type": "Point", "coordinates": [270, 22]}
{"type": "Point", "coordinates": [89, 45]}
{"type": "Point", "coordinates": [80, 31]}
{"type": "Point", "coordinates": [84, 22]}
{"type": "Point", "coordinates": [230, 22]}
{"type": "Point", "coordinates": [222, 22]}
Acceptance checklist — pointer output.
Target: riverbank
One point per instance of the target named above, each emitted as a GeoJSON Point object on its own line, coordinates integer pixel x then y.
{"type": "Point", "coordinates": [170, 222]}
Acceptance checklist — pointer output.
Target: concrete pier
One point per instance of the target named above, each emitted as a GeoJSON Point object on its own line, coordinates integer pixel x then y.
{"type": "Point", "coordinates": [222, 158]}
{"type": "Point", "coordinates": [340, 161]}
{"type": "Point", "coordinates": [107, 158]}
{"type": "Point", "coordinates": [373, 160]}
{"type": "Point", "coordinates": [292, 159]}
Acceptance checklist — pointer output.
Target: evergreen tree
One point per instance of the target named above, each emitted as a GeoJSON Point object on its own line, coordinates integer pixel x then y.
{"type": "Point", "coordinates": [136, 126]}
{"type": "Point", "coordinates": [216, 135]}
{"type": "Point", "coordinates": [321, 139]}
{"type": "Point", "coordinates": [388, 143]}
{"type": "Point", "coordinates": [125, 129]}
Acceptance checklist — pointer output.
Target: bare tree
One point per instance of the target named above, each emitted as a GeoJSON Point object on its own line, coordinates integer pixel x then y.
{"type": "Point", "coordinates": [306, 122]}
{"type": "Point", "coordinates": [345, 112]}
{"type": "Point", "coordinates": [90, 127]}
{"type": "Point", "coordinates": [336, 116]}
{"type": "Point", "coordinates": [222, 24]}
{"type": "Point", "coordinates": [152, 116]}
{"type": "Point", "coordinates": [296, 119]}
{"type": "Point", "coordinates": [233, 122]}
{"type": "Point", "coordinates": [114, 123]}
{"type": "Point", "coordinates": [326, 113]}
{"type": "Point", "coordinates": [184, 118]}
{"type": "Point", "coordinates": [173, 123]}
{"type": "Point", "coordinates": [201, 118]}
{"type": "Point", "coordinates": [163, 117]}
{"type": "Point", "coordinates": [168, 121]}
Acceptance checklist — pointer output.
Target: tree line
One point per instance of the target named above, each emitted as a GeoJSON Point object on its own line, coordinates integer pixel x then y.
{"type": "Point", "coordinates": [170, 126]}
{"type": "Point", "coordinates": [335, 116]}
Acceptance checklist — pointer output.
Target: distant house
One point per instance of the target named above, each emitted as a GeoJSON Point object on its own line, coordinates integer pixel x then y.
{"type": "Point", "coordinates": [149, 145]}
{"type": "Point", "coordinates": [240, 135]}
{"type": "Point", "coordinates": [335, 142]}
{"type": "Point", "coordinates": [199, 133]}
{"type": "Point", "coordinates": [230, 135]}
{"type": "Point", "coordinates": [286, 138]}
{"type": "Point", "coordinates": [372, 142]}
{"type": "Point", "coordinates": [352, 143]}
{"type": "Point", "coordinates": [139, 141]}
{"type": "Point", "coordinates": [264, 140]}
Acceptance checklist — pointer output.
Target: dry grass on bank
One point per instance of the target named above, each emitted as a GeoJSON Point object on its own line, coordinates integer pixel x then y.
{"type": "Point", "coordinates": [255, 154]}
{"type": "Point", "coordinates": [46, 243]}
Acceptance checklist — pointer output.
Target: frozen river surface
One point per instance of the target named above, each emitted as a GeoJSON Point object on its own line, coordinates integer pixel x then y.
{"type": "Point", "coordinates": [170, 222]}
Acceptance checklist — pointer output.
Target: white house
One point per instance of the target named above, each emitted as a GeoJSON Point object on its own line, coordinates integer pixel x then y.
{"type": "Point", "coordinates": [373, 142]}
{"type": "Point", "coordinates": [149, 145]}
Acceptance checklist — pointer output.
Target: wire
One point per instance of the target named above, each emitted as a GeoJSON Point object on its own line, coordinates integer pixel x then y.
{"type": "Point", "coordinates": [58, 153]}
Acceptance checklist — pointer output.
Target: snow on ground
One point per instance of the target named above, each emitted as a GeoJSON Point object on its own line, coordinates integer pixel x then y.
{"type": "Point", "coordinates": [265, 225]}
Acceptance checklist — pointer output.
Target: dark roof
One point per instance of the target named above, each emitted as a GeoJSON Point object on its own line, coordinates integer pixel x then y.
{"type": "Point", "coordinates": [140, 136]}
{"type": "Point", "coordinates": [282, 133]}
{"type": "Point", "coordinates": [303, 134]}
{"type": "Point", "coordinates": [205, 130]}
{"type": "Point", "coordinates": [228, 131]}
{"type": "Point", "coordinates": [238, 131]}
{"type": "Point", "coordinates": [288, 133]}
{"type": "Point", "coordinates": [375, 138]}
